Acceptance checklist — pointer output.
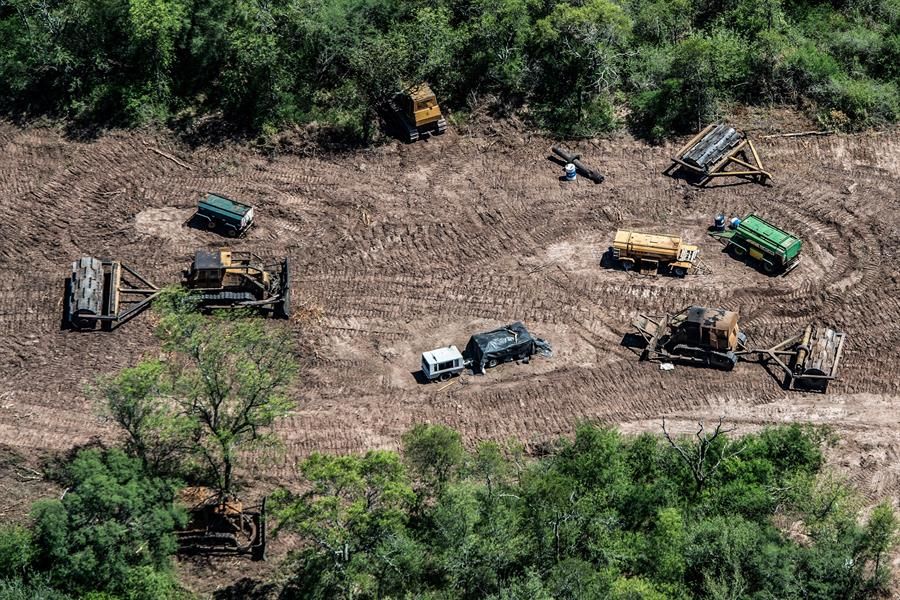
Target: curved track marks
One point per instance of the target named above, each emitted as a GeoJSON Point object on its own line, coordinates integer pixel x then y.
{"type": "Point", "coordinates": [403, 248]}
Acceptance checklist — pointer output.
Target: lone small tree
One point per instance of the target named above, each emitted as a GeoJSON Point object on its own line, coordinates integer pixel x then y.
{"type": "Point", "coordinates": [704, 457]}
{"type": "Point", "coordinates": [220, 387]}
{"type": "Point", "coordinates": [138, 399]}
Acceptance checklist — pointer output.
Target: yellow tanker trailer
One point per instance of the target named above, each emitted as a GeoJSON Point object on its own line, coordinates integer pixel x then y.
{"type": "Point", "coordinates": [652, 253]}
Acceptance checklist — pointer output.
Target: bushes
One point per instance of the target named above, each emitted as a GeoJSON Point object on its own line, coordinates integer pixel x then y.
{"type": "Point", "coordinates": [697, 78]}
{"type": "Point", "coordinates": [111, 532]}
{"type": "Point", "coordinates": [576, 64]}
{"type": "Point", "coordinates": [603, 516]}
{"type": "Point", "coordinates": [16, 550]}
{"type": "Point", "coordinates": [865, 102]}
{"type": "Point", "coordinates": [17, 589]}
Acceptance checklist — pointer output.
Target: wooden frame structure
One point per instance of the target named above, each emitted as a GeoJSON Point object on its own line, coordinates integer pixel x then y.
{"type": "Point", "coordinates": [106, 292]}
{"type": "Point", "coordinates": [748, 166]}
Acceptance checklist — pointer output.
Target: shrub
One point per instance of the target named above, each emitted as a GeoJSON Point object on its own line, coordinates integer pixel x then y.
{"type": "Point", "coordinates": [16, 551]}
{"type": "Point", "coordinates": [865, 102]}
{"type": "Point", "coordinates": [112, 531]}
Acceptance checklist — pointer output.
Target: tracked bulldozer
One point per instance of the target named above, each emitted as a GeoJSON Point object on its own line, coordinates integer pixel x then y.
{"type": "Point", "coordinates": [226, 279]}
{"type": "Point", "coordinates": [416, 111]}
{"type": "Point", "coordinates": [221, 526]}
{"type": "Point", "coordinates": [109, 293]}
{"type": "Point", "coordinates": [711, 337]}
{"type": "Point", "coordinates": [703, 336]}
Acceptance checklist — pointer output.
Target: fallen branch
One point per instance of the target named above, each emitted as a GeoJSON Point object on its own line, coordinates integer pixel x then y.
{"type": "Point", "coordinates": [173, 159]}
{"type": "Point", "coordinates": [444, 387]}
{"type": "Point", "coordinates": [797, 134]}
{"type": "Point", "coordinates": [30, 470]}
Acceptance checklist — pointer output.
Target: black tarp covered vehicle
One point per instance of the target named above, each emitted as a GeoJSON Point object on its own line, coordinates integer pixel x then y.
{"type": "Point", "coordinates": [491, 348]}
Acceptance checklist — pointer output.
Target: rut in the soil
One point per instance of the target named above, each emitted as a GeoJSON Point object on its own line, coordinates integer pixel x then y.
{"type": "Point", "coordinates": [403, 248]}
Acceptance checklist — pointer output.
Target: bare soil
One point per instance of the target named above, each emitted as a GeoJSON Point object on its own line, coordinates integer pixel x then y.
{"type": "Point", "coordinates": [403, 248]}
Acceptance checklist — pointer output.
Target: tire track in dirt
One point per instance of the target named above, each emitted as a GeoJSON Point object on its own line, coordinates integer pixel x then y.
{"type": "Point", "coordinates": [404, 247]}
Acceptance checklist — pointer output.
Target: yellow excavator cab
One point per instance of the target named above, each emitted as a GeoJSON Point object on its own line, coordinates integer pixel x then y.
{"type": "Point", "coordinates": [418, 111]}
{"type": "Point", "coordinates": [226, 279]}
{"type": "Point", "coordinates": [425, 109]}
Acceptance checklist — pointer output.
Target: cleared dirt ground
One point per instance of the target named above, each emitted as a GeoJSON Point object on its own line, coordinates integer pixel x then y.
{"type": "Point", "coordinates": [400, 249]}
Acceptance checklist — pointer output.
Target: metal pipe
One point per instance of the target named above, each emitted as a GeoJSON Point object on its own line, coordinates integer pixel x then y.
{"type": "Point", "coordinates": [803, 350]}
{"type": "Point", "coordinates": [571, 157]}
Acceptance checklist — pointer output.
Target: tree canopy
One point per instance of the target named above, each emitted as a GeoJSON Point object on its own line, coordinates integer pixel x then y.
{"type": "Point", "coordinates": [572, 67]}
{"type": "Point", "coordinates": [602, 516]}
{"type": "Point", "coordinates": [112, 532]}
{"type": "Point", "coordinates": [219, 389]}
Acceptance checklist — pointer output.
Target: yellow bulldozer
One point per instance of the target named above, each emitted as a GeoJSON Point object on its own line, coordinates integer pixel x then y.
{"type": "Point", "coordinates": [711, 337]}
{"type": "Point", "coordinates": [416, 112]}
{"type": "Point", "coordinates": [226, 279]}
{"type": "Point", "coordinates": [110, 293]}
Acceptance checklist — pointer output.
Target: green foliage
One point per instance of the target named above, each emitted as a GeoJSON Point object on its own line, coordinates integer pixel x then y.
{"type": "Point", "coordinates": [434, 453]}
{"type": "Point", "coordinates": [662, 21]}
{"type": "Point", "coordinates": [693, 86]}
{"type": "Point", "coordinates": [221, 388]}
{"type": "Point", "coordinates": [574, 67]}
{"type": "Point", "coordinates": [18, 589]}
{"type": "Point", "coordinates": [137, 400]}
{"type": "Point", "coordinates": [355, 514]}
{"type": "Point", "coordinates": [580, 48]}
{"type": "Point", "coordinates": [16, 550]}
{"type": "Point", "coordinates": [604, 516]}
{"type": "Point", "coordinates": [111, 533]}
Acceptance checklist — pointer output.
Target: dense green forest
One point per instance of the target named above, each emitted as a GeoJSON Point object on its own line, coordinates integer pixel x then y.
{"type": "Point", "coordinates": [603, 516]}
{"type": "Point", "coordinates": [573, 67]}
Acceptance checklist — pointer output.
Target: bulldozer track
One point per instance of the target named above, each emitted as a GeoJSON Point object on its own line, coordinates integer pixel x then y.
{"type": "Point", "coordinates": [405, 248]}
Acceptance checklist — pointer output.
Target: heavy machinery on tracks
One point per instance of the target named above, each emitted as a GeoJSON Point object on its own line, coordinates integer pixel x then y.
{"type": "Point", "coordinates": [703, 336]}
{"type": "Point", "coordinates": [219, 526]}
{"type": "Point", "coordinates": [105, 292]}
{"type": "Point", "coordinates": [774, 249]}
{"type": "Point", "coordinates": [711, 337]}
{"type": "Point", "coordinates": [652, 253]}
{"type": "Point", "coordinates": [226, 279]}
{"type": "Point", "coordinates": [108, 293]}
{"type": "Point", "coordinates": [416, 112]}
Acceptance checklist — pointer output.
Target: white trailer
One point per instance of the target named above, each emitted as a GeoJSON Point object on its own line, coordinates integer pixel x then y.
{"type": "Point", "coordinates": [442, 363]}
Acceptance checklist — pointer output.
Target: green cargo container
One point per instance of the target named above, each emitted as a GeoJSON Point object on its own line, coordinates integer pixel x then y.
{"type": "Point", "coordinates": [774, 248]}
{"type": "Point", "coordinates": [218, 211]}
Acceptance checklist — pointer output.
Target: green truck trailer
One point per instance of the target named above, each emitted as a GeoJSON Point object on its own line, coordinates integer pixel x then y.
{"type": "Point", "coordinates": [216, 211]}
{"type": "Point", "coordinates": [774, 249]}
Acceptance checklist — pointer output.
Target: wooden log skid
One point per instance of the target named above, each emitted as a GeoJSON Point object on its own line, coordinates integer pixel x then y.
{"type": "Point", "coordinates": [711, 151]}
